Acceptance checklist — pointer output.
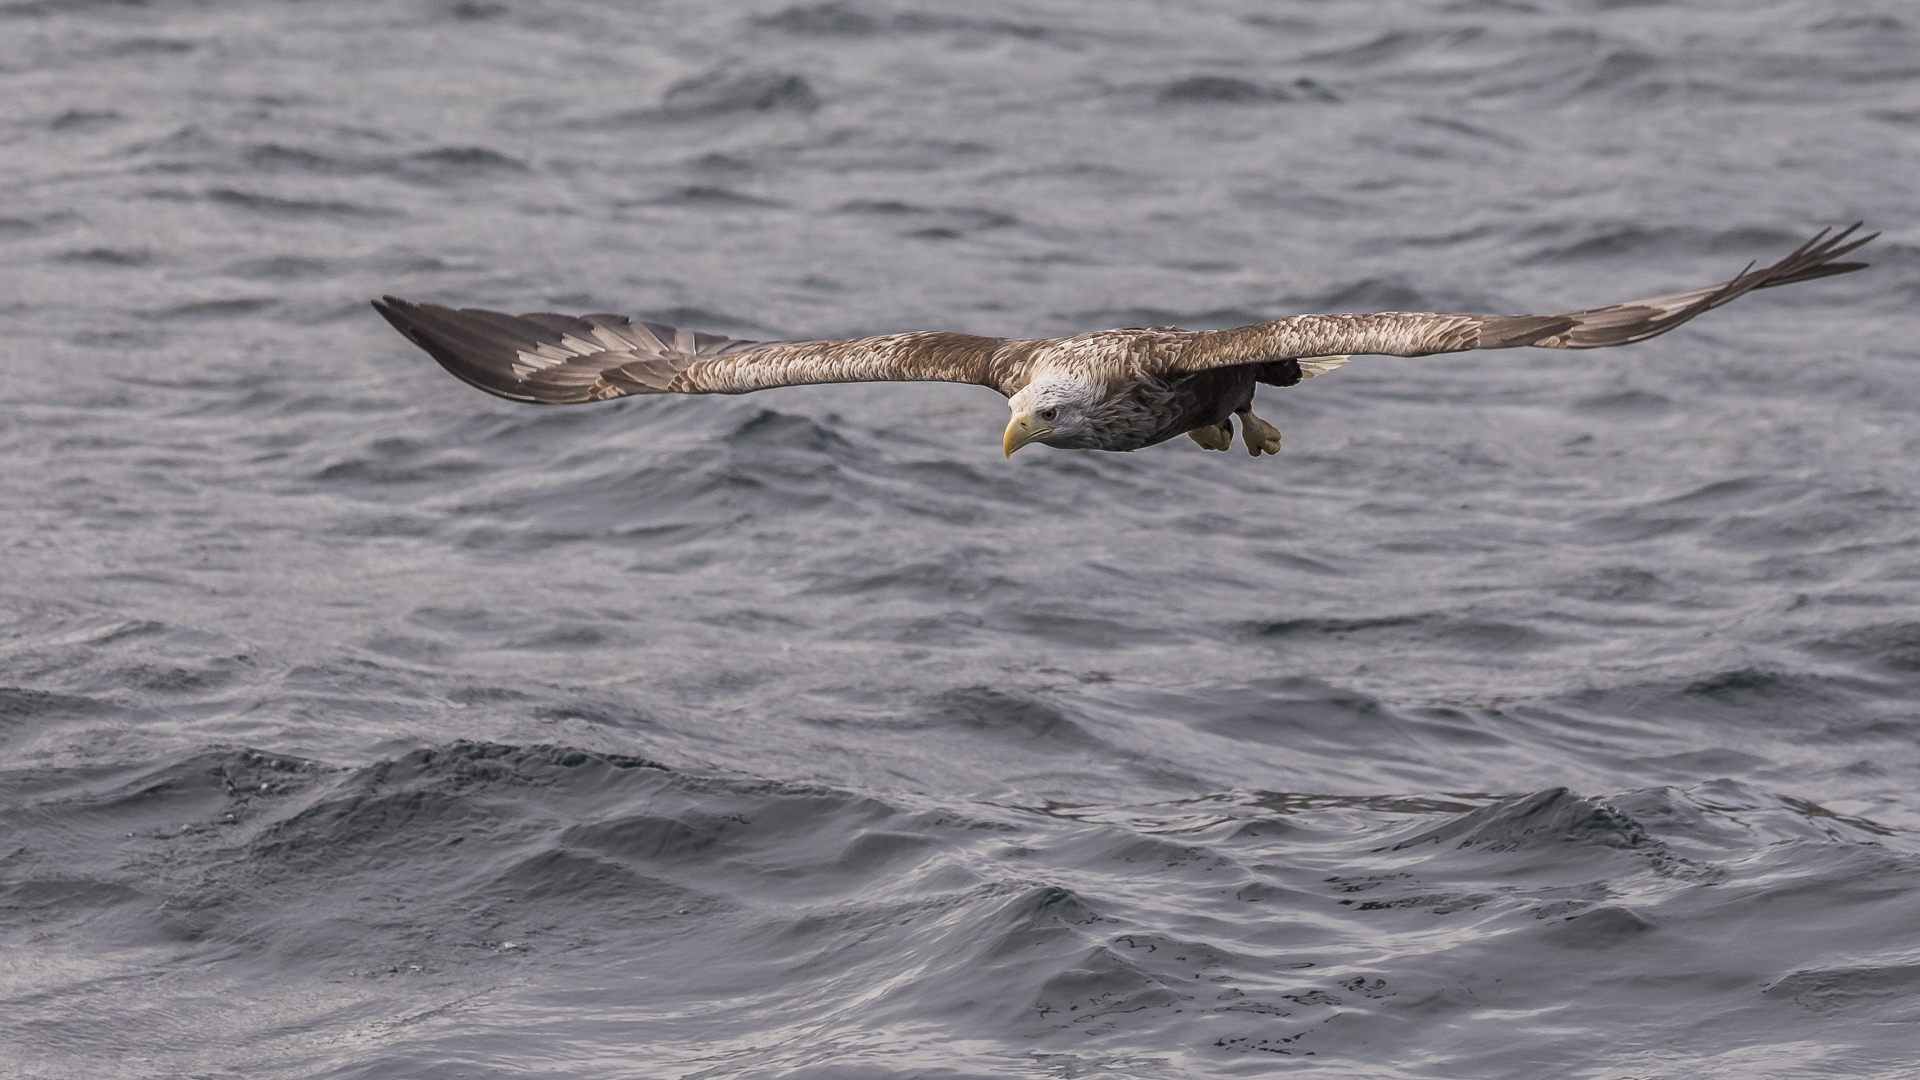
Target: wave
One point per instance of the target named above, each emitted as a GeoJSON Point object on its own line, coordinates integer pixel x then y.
{"type": "Point", "coordinates": [836, 18]}
{"type": "Point", "coordinates": [542, 858]}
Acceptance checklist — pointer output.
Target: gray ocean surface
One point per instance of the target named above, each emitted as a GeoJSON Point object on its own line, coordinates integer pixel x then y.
{"type": "Point", "coordinates": [1533, 714]}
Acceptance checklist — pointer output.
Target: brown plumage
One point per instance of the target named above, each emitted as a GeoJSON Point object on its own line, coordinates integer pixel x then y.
{"type": "Point", "coordinates": [1106, 390]}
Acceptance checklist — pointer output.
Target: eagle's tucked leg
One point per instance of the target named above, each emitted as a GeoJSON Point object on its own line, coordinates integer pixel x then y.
{"type": "Point", "coordinates": [1261, 436]}
{"type": "Point", "coordinates": [1217, 437]}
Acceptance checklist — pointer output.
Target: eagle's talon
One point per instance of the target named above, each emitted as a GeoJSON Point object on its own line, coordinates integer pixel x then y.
{"type": "Point", "coordinates": [1262, 437]}
{"type": "Point", "coordinates": [1217, 437]}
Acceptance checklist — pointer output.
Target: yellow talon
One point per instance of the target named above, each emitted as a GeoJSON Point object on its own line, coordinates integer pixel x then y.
{"type": "Point", "coordinates": [1261, 436]}
{"type": "Point", "coordinates": [1217, 437]}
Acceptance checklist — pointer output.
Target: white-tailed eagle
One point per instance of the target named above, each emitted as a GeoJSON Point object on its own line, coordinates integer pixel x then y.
{"type": "Point", "coordinates": [1105, 390]}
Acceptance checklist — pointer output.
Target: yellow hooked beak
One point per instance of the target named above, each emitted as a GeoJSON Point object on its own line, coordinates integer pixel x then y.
{"type": "Point", "coordinates": [1020, 432]}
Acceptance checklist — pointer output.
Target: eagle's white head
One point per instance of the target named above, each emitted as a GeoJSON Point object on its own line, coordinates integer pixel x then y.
{"type": "Point", "coordinates": [1057, 412]}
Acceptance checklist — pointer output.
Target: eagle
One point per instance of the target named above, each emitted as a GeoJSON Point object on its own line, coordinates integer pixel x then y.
{"type": "Point", "coordinates": [1105, 390]}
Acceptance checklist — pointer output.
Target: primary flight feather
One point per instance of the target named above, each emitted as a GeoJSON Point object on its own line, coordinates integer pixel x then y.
{"type": "Point", "coordinates": [1105, 390]}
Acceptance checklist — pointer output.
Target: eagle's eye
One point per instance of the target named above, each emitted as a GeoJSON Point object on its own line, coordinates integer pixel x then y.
{"type": "Point", "coordinates": [1049, 414]}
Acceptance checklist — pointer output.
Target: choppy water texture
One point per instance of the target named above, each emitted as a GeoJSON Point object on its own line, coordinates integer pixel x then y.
{"type": "Point", "coordinates": [1532, 715]}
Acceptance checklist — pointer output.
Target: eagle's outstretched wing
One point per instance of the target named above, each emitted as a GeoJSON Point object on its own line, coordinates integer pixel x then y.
{"type": "Point", "coordinates": [562, 360]}
{"type": "Point", "coordinates": [1396, 333]}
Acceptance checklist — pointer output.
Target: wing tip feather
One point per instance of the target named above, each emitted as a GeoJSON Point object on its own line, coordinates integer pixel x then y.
{"type": "Point", "coordinates": [587, 357]}
{"type": "Point", "coordinates": [469, 362]}
{"type": "Point", "coordinates": [1811, 260]}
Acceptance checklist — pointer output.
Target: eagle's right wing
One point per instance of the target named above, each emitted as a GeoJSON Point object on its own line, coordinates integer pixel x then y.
{"type": "Point", "coordinates": [562, 360]}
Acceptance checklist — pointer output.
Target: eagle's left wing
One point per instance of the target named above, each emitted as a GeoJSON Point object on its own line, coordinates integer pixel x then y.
{"type": "Point", "coordinates": [1398, 333]}
{"type": "Point", "coordinates": [555, 359]}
